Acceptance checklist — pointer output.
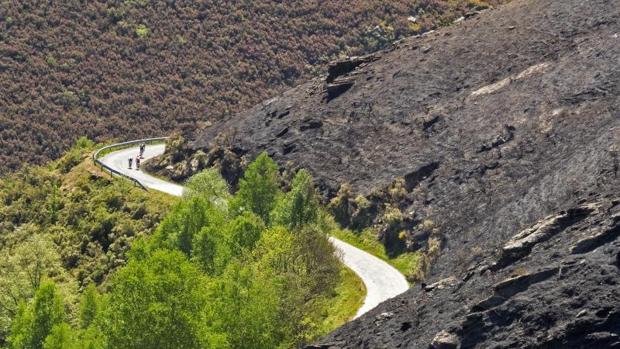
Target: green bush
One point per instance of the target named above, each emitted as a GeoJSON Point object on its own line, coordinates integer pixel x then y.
{"type": "Point", "coordinates": [142, 31]}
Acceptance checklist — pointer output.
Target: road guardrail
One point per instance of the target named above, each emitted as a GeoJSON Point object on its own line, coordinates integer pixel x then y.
{"type": "Point", "coordinates": [100, 152]}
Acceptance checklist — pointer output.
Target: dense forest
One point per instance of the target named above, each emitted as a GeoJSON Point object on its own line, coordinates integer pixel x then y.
{"type": "Point", "coordinates": [254, 269]}
{"type": "Point", "coordinates": [132, 68]}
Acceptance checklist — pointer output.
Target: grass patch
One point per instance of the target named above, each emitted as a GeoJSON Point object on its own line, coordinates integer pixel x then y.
{"type": "Point", "coordinates": [349, 297]}
{"type": "Point", "coordinates": [407, 263]}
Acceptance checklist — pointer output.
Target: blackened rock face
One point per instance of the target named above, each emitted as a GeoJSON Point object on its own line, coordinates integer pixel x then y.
{"type": "Point", "coordinates": [496, 125]}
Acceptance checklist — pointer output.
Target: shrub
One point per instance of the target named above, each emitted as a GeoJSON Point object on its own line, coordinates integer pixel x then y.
{"type": "Point", "coordinates": [397, 190]}
{"type": "Point", "coordinates": [51, 61]}
{"type": "Point", "coordinates": [142, 31]}
{"type": "Point", "coordinates": [392, 215]}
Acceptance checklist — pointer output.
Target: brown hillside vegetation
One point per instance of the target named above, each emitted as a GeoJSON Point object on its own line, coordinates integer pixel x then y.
{"type": "Point", "coordinates": [126, 69]}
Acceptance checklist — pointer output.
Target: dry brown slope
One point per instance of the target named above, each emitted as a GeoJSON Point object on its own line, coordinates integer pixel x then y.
{"type": "Point", "coordinates": [133, 68]}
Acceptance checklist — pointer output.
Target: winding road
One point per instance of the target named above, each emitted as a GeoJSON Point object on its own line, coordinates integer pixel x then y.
{"type": "Point", "coordinates": [381, 279]}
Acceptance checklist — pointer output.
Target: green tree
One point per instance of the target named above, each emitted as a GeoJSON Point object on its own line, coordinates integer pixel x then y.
{"type": "Point", "coordinates": [34, 323]}
{"type": "Point", "coordinates": [89, 307]}
{"type": "Point", "coordinates": [158, 302]}
{"type": "Point", "coordinates": [209, 185]}
{"type": "Point", "coordinates": [300, 206]}
{"type": "Point", "coordinates": [302, 263]}
{"type": "Point", "coordinates": [21, 270]}
{"type": "Point", "coordinates": [245, 305]}
{"type": "Point", "coordinates": [61, 337]}
{"type": "Point", "coordinates": [91, 338]}
{"type": "Point", "coordinates": [244, 231]}
{"type": "Point", "coordinates": [210, 250]}
{"type": "Point", "coordinates": [258, 189]}
{"type": "Point", "coordinates": [48, 311]}
{"type": "Point", "coordinates": [21, 334]}
{"type": "Point", "coordinates": [188, 217]}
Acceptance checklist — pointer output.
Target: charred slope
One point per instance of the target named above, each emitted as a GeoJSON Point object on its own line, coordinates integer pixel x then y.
{"type": "Point", "coordinates": [555, 284]}
{"type": "Point", "coordinates": [505, 122]}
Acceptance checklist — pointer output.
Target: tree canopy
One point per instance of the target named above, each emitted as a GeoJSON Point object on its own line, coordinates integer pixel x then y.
{"type": "Point", "coordinates": [246, 270]}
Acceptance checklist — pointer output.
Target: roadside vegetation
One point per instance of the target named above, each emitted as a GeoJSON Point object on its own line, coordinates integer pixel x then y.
{"type": "Point", "coordinates": [253, 270]}
{"type": "Point", "coordinates": [408, 263]}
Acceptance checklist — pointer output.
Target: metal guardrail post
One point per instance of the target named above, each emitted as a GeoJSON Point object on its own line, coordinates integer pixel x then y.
{"type": "Point", "coordinates": [119, 145]}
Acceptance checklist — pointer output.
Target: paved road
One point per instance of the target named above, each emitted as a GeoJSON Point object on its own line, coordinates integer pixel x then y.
{"type": "Point", "coordinates": [119, 160]}
{"type": "Point", "coordinates": [381, 279]}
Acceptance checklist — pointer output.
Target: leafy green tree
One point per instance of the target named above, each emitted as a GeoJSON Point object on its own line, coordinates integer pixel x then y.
{"type": "Point", "coordinates": [180, 227]}
{"type": "Point", "coordinates": [244, 304]}
{"type": "Point", "coordinates": [300, 206]}
{"type": "Point", "coordinates": [21, 270]}
{"type": "Point", "coordinates": [316, 260]}
{"type": "Point", "coordinates": [34, 323]}
{"type": "Point", "coordinates": [209, 185]}
{"type": "Point", "coordinates": [159, 302]}
{"type": "Point", "coordinates": [302, 263]}
{"type": "Point", "coordinates": [61, 337]}
{"type": "Point", "coordinates": [244, 231]}
{"type": "Point", "coordinates": [48, 311]}
{"type": "Point", "coordinates": [258, 189]}
{"type": "Point", "coordinates": [91, 338]}
{"type": "Point", "coordinates": [21, 334]}
{"type": "Point", "coordinates": [89, 307]}
{"type": "Point", "coordinates": [210, 250]}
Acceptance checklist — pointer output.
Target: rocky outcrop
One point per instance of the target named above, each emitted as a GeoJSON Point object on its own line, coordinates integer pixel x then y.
{"type": "Point", "coordinates": [551, 297]}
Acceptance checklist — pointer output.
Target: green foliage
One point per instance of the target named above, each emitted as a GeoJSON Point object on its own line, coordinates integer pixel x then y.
{"type": "Point", "coordinates": [266, 286]}
{"type": "Point", "coordinates": [61, 337]}
{"type": "Point", "coordinates": [73, 228]}
{"type": "Point", "coordinates": [142, 31]}
{"type": "Point", "coordinates": [158, 303]}
{"type": "Point", "coordinates": [89, 307]}
{"type": "Point", "coordinates": [210, 250]}
{"type": "Point", "coordinates": [258, 189]}
{"type": "Point", "coordinates": [337, 310]}
{"type": "Point", "coordinates": [180, 227]}
{"type": "Point", "coordinates": [22, 268]}
{"type": "Point", "coordinates": [21, 336]}
{"type": "Point", "coordinates": [208, 277]}
{"type": "Point", "coordinates": [300, 206]}
{"type": "Point", "coordinates": [245, 306]}
{"type": "Point", "coordinates": [34, 323]}
{"type": "Point", "coordinates": [210, 185]}
{"type": "Point", "coordinates": [244, 231]}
